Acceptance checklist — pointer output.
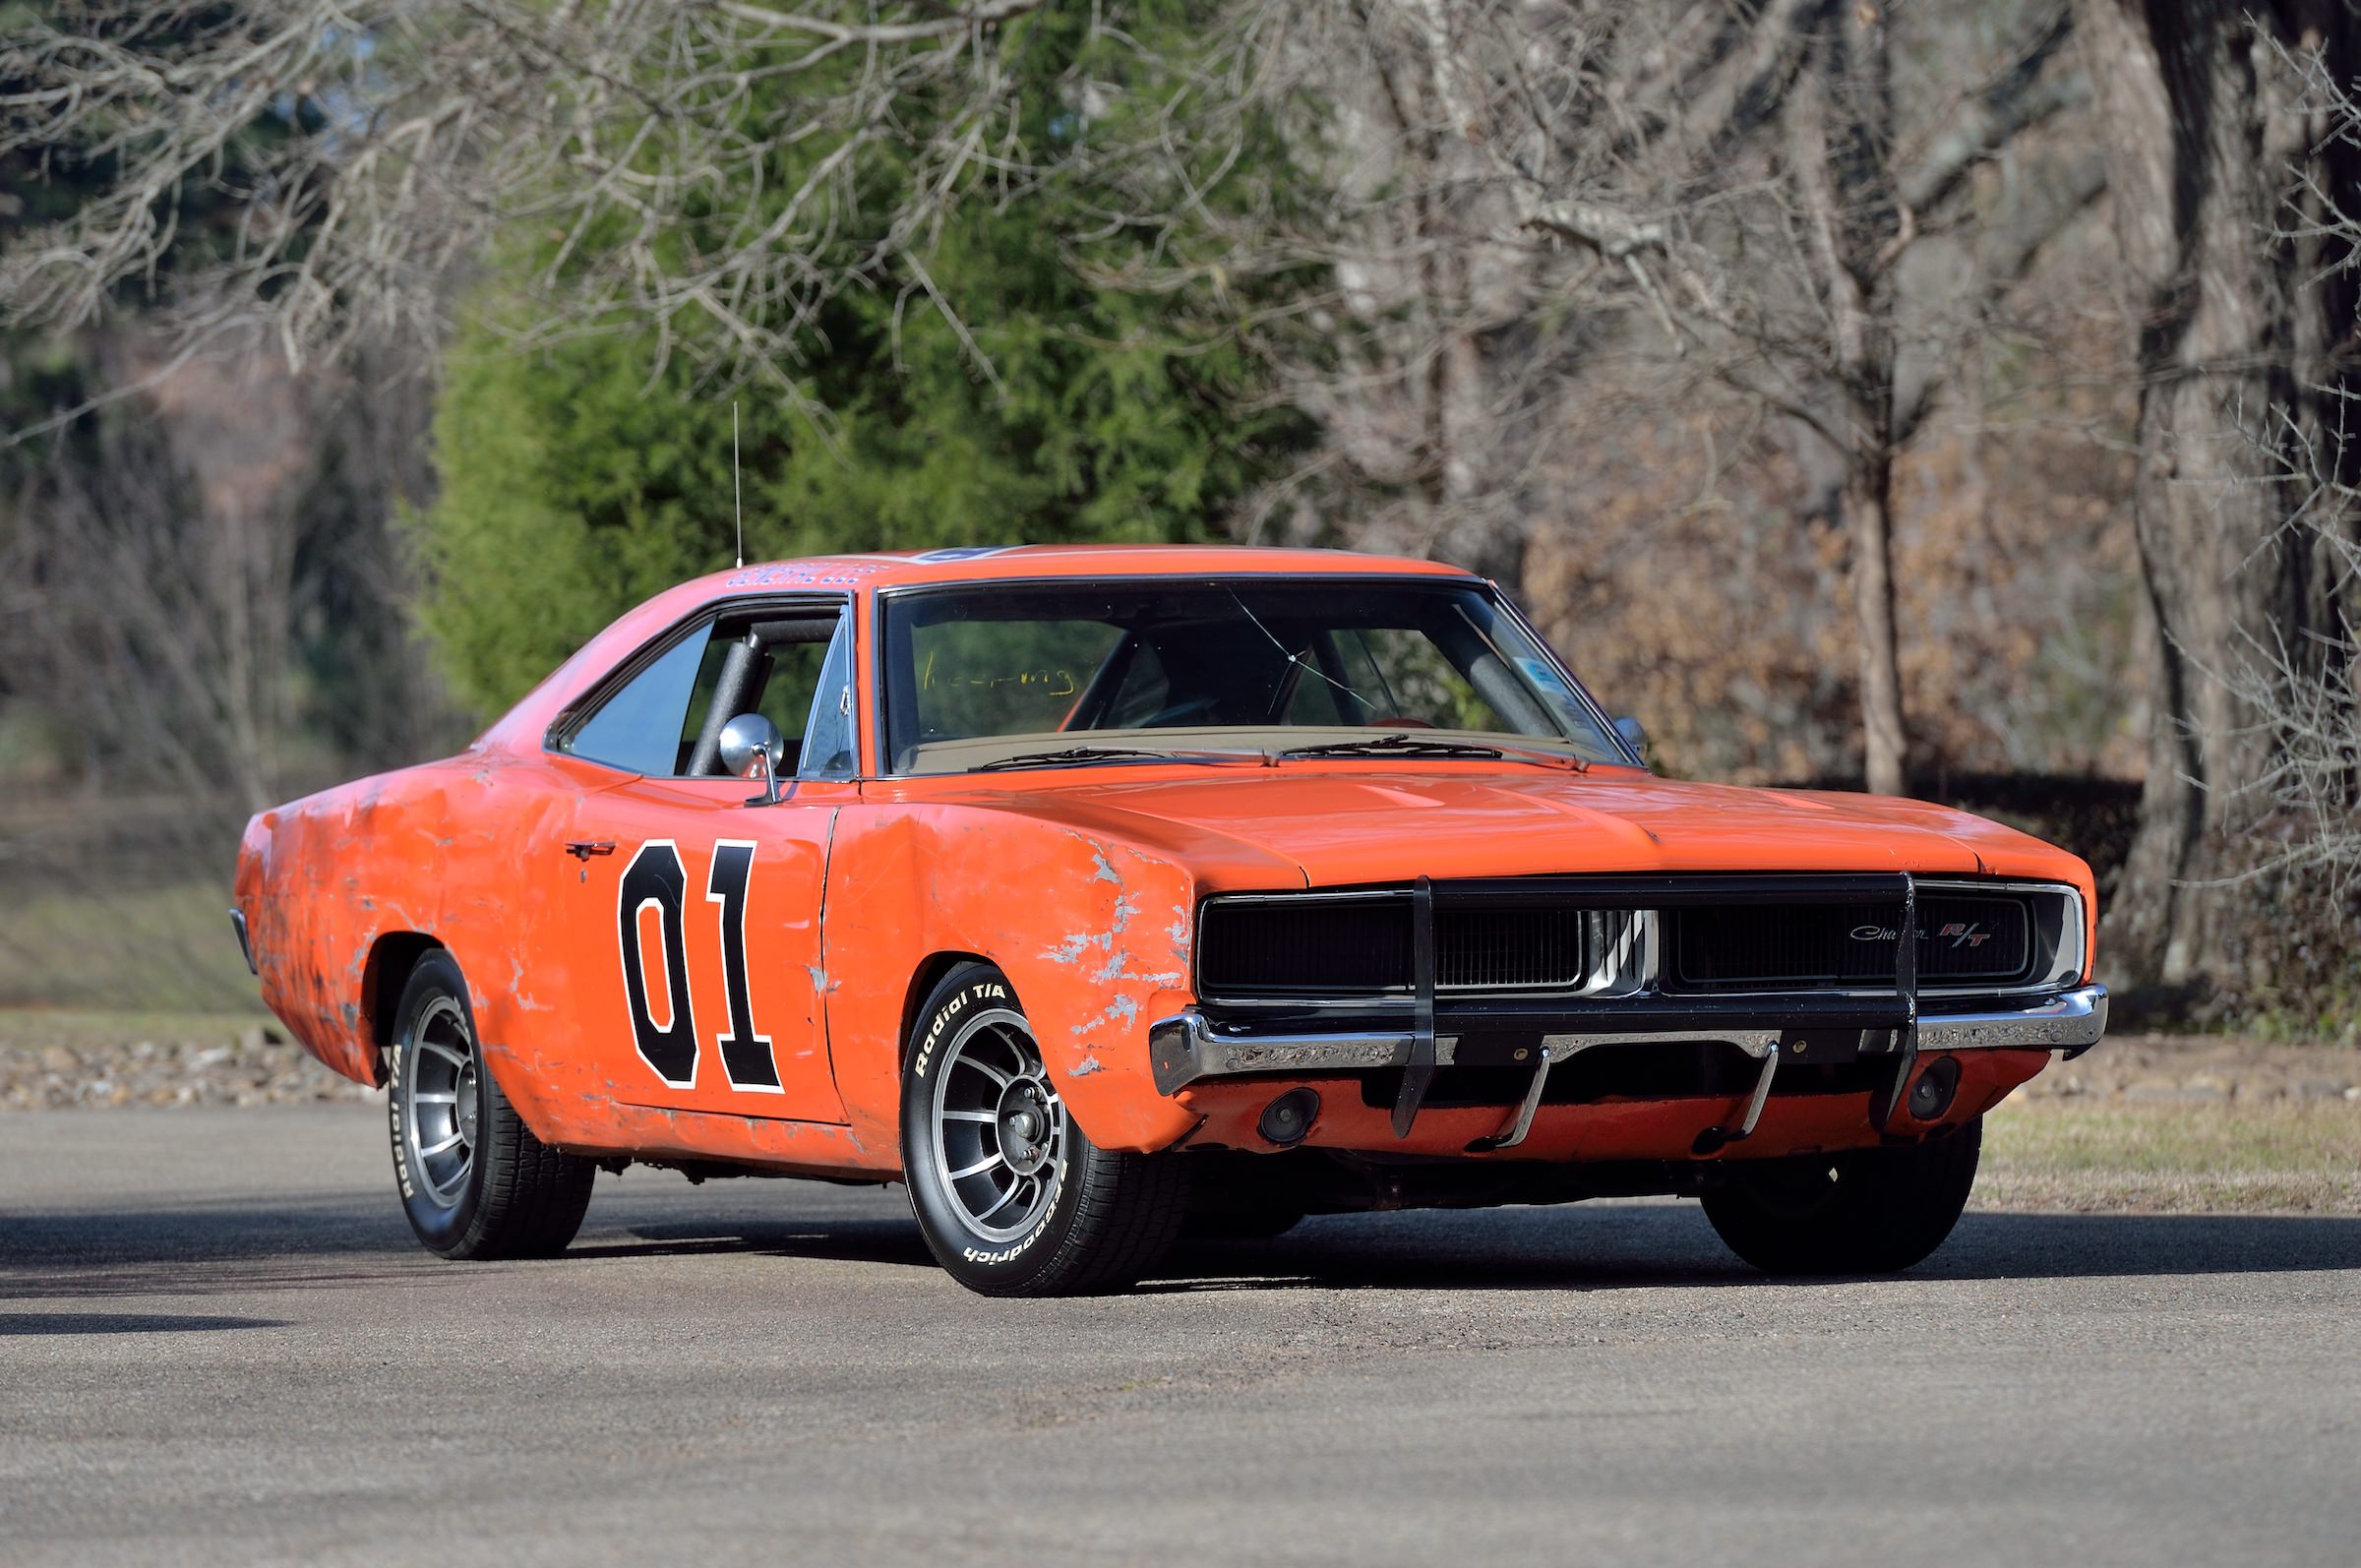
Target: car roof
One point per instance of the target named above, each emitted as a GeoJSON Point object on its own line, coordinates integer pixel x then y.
{"type": "Point", "coordinates": [996, 563]}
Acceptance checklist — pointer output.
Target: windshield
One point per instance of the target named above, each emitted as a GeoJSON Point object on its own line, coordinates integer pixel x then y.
{"type": "Point", "coordinates": [996, 676]}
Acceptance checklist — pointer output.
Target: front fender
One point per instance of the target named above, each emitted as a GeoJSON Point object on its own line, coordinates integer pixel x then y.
{"type": "Point", "coordinates": [1094, 934]}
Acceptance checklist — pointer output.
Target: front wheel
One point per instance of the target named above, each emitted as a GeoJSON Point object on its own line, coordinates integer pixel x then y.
{"type": "Point", "coordinates": [474, 1181]}
{"type": "Point", "coordinates": [1012, 1197]}
{"type": "Point", "coordinates": [1868, 1211]}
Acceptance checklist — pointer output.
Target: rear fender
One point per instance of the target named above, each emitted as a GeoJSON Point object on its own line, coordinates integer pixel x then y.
{"type": "Point", "coordinates": [342, 891]}
{"type": "Point", "coordinates": [316, 908]}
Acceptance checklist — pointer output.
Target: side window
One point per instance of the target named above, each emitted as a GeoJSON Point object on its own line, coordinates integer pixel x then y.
{"type": "Point", "coordinates": [638, 727]}
{"type": "Point", "coordinates": [829, 741]}
{"type": "Point", "coordinates": [777, 684]}
{"type": "Point", "coordinates": [769, 663]}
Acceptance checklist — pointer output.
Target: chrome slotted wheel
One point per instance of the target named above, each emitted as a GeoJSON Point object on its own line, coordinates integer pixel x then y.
{"type": "Point", "coordinates": [439, 1119]}
{"type": "Point", "coordinates": [475, 1181]}
{"type": "Point", "coordinates": [999, 1127]}
{"type": "Point", "coordinates": [1010, 1193]}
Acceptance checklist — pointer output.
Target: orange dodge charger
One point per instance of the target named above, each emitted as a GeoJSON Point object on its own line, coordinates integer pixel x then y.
{"type": "Point", "coordinates": [1098, 892]}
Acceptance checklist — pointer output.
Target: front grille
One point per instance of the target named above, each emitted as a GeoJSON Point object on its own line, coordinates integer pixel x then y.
{"type": "Point", "coordinates": [1508, 949]}
{"type": "Point", "coordinates": [1962, 940]}
{"type": "Point", "coordinates": [1289, 947]}
{"type": "Point", "coordinates": [1306, 948]}
{"type": "Point", "coordinates": [1362, 946]}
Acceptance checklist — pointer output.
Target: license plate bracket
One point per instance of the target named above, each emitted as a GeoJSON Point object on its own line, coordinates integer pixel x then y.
{"type": "Point", "coordinates": [1819, 1048]}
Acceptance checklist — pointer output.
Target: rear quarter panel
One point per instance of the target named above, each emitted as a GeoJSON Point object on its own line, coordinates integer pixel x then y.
{"type": "Point", "coordinates": [327, 883]}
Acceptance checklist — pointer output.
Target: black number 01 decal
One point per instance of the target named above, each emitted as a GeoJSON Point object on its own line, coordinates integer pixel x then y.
{"type": "Point", "coordinates": [656, 876]}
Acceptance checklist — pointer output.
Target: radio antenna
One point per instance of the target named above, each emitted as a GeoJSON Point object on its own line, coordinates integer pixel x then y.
{"type": "Point", "coordinates": [737, 485]}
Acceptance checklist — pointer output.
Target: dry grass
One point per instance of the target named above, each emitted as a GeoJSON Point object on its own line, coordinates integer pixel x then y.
{"type": "Point", "coordinates": [2276, 1156]}
{"type": "Point", "coordinates": [100, 1031]}
{"type": "Point", "coordinates": [166, 949]}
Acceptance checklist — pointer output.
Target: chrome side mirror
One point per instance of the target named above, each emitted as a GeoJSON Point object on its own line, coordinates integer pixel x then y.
{"type": "Point", "coordinates": [751, 748]}
{"type": "Point", "coordinates": [1633, 735]}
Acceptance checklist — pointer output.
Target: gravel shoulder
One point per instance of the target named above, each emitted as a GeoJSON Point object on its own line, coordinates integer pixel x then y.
{"type": "Point", "coordinates": [57, 1061]}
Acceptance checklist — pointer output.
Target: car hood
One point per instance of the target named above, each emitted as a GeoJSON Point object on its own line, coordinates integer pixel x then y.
{"type": "Point", "coordinates": [1387, 825]}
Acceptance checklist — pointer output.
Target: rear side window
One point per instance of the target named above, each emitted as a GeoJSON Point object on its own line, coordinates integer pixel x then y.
{"type": "Point", "coordinates": [639, 728]}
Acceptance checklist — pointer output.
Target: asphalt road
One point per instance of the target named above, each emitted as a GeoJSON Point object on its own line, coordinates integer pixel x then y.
{"type": "Point", "coordinates": [218, 1344]}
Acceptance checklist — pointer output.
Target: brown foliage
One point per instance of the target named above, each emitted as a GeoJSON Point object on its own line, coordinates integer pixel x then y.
{"type": "Point", "coordinates": [1681, 576]}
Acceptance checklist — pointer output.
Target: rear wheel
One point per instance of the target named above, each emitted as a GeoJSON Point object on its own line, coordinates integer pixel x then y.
{"type": "Point", "coordinates": [474, 1181]}
{"type": "Point", "coordinates": [1013, 1199]}
{"type": "Point", "coordinates": [1867, 1211]}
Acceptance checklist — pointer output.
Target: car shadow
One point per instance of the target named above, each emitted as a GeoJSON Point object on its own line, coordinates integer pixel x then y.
{"type": "Point", "coordinates": [206, 1248]}
{"type": "Point", "coordinates": [1671, 1245]}
{"type": "Point", "coordinates": [1601, 1247]}
{"type": "Point", "coordinates": [834, 1241]}
{"type": "Point", "coordinates": [16, 1325]}
{"type": "Point", "coordinates": [199, 1247]}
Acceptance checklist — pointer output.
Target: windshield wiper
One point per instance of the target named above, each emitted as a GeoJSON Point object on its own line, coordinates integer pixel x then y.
{"type": "Point", "coordinates": [1404, 744]}
{"type": "Point", "coordinates": [1074, 756]}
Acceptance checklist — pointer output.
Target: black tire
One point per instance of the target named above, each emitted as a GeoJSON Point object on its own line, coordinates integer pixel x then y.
{"type": "Point", "coordinates": [495, 1192]}
{"type": "Point", "coordinates": [1078, 1219]}
{"type": "Point", "coordinates": [1870, 1211]}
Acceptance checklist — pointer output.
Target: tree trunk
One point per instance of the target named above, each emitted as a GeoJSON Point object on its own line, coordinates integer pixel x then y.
{"type": "Point", "coordinates": [1843, 133]}
{"type": "Point", "coordinates": [1869, 521]}
{"type": "Point", "coordinates": [2202, 140]}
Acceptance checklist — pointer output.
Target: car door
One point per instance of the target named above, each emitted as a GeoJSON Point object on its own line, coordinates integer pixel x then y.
{"type": "Point", "coordinates": [691, 908]}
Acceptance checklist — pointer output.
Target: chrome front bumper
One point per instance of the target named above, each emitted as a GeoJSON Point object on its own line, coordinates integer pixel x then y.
{"type": "Point", "coordinates": [1187, 1047]}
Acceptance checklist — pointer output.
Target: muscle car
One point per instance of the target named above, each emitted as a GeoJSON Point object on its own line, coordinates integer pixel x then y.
{"type": "Point", "coordinates": [1095, 893]}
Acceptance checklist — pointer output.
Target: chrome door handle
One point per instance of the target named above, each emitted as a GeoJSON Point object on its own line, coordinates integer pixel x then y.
{"type": "Point", "coordinates": [582, 849]}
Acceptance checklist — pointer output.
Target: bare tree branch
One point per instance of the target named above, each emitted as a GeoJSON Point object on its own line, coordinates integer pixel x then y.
{"type": "Point", "coordinates": [346, 156]}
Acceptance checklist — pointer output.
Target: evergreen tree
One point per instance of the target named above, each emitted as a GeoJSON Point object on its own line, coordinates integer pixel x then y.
{"type": "Point", "coordinates": [582, 476]}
